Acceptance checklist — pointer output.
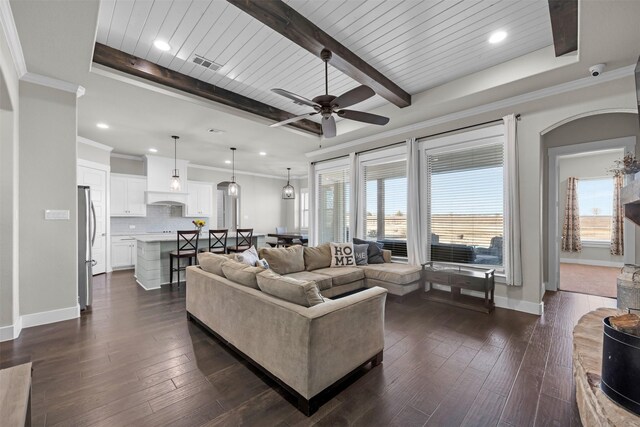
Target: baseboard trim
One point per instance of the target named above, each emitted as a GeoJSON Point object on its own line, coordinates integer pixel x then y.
{"type": "Point", "coordinates": [144, 287]}
{"type": "Point", "coordinates": [503, 302]}
{"type": "Point", "coordinates": [593, 262]}
{"type": "Point", "coordinates": [46, 317]}
{"type": "Point", "coordinates": [11, 332]}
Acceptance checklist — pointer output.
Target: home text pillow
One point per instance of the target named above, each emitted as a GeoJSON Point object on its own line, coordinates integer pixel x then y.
{"type": "Point", "coordinates": [212, 263]}
{"type": "Point", "coordinates": [374, 253]}
{"type": "Point", "coordinates": [342, 255]}
{"type": "Point", "coordinates": [240, 273]}
{"type": "Point", "coordinates": [360, 253]}
{"type": "Point", "coordinates": [296, 291]}
{"type": "Point", "coordinates": [249, 257]}
{"type": "Point", "coordinates": [284, 260]}
{"type": "Point", "coordinates": [317, 257]}
{"type": "Point", "coordinates": [262, 263]}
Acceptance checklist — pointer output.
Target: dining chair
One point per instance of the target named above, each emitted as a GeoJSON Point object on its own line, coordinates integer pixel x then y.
{"type": "Point", "coordinates": [187, 247]}
{"type": "Point", "coordinates": [244, 237]}
{"type": "Point", "coordinates": [217, 241]}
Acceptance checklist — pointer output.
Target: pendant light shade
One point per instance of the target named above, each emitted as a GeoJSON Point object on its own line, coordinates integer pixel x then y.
{"type": "Point", "coordinates": [288, 192]}
{"type": "Point", "coordinates": [233, 186]}
{"type": "Point", "coordinates": [175, 176]}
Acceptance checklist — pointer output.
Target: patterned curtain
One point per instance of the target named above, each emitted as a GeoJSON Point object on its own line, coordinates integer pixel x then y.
{"type": "Point", "coordinates": [617, 219]}
{"type": "Point", "coordinates": [571, 228]}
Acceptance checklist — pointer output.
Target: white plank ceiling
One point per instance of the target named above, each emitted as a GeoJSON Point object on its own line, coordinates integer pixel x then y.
{"type": "Point", "coordinates": [417, 44]}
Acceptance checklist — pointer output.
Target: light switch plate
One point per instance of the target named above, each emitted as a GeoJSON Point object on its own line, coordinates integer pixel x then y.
{"type": "Point", "coordinates": [56, 215]}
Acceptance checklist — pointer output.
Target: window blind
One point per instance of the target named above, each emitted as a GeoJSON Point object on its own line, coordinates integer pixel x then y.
{"type": "Point", "coordinates": [385, 202]}
{"type": "Point", "coordinates": [333, 205]}
{"type": "Point", "coordinates": [465, 204]}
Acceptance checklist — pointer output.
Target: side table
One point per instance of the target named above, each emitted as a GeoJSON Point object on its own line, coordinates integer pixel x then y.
{"type": "Point", "coordinates": [459, 278]}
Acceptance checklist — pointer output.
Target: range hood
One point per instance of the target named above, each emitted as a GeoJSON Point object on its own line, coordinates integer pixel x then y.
{"type": "Point", "coordinates": [159, 171]}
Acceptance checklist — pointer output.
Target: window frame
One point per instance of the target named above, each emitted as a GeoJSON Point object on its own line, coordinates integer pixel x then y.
{"type": "Point", "coordinates": [302, 209]}
{"type": "Point", "coordinates": [341, 164]}
{"type": "Point", "coordinates": [490, 135]}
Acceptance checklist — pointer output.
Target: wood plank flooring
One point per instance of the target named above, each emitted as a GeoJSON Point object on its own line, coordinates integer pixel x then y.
{"type": "Point", "coordinates": [134, 359]}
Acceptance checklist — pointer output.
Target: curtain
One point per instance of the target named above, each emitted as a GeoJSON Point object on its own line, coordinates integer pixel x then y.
{"type": "Point", "coordinates": [617, 219]}
{"type": "Point", "coordinates": [354, 207]}
{"type": "Point", "coordinates": [571, 228]}
{"type": "Point", "coordinates": [512, 243]}
{"type": "Point", "coordinates": [313, 214]}
{"type": "Point", "coordinates": [415, 248]}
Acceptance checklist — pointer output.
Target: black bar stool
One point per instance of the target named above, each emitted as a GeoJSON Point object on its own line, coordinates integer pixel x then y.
{"type": "Point", "coordinates": [244, 238]}
{"type": "Point", "coordinates": [187, 247]}
{"type": "Point", "coordinates": [217, 241]}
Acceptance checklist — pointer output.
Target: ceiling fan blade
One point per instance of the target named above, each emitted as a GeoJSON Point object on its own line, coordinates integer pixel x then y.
{"type": "Point", "coordinates": [297, 99]}
{"type": "Point", "coordinates": [353, 97]}
{"type": "Point", "coordinates": [291, 120]}
{"type": "Point", "coordinates": [360, 116]}
{"type": "Point", "coordinates": [328, 127]}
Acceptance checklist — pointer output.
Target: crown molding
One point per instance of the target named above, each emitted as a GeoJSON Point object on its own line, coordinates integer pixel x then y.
{"type": "Point", "coordinates": [492, 106]}
{"type": "Point", "coordinates": [11, 34]}
{"type": "Point", "coordinates": [86, 141]}
{"type": "Point", "coordinates": [53, 83]}
{"type": "Point", "coordinates": [127, 156]}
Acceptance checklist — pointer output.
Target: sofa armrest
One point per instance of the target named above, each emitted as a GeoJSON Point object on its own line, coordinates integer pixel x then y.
{"type": "Point", "coordinates": [386, 255]}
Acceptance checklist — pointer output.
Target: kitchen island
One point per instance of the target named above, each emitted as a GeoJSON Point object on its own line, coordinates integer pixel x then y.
{"type": "Point", "coordinates": [152, 266]}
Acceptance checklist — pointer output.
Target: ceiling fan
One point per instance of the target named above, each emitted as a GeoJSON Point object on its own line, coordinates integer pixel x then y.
{"type": "Point", "coordinates": [327, 105]}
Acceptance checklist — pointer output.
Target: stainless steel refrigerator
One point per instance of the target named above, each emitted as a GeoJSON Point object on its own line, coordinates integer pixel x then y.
{"type": "Point", "coordinates": [86, 237]}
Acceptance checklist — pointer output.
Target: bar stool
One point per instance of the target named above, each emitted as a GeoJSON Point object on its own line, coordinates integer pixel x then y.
{"type": "Point", "coordinates": [217, 241]}
{"type": "Point", "coordinates": [243, 240]}
{"type": "Point", "coordinates": [187, 247]}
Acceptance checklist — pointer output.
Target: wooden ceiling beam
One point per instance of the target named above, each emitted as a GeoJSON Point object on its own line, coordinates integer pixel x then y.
{"type": "Point", "coordinates": [564, 25]}
{"type": "Point", "coordinates": [130, 64]}
{"type": "Point", "coordinates": [288, 22]}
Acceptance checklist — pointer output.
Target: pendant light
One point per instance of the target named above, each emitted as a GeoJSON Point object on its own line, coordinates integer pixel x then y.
{"type": "Point", "coordinates": [233, 187]}
{"type": "Point", "coordinates": [288, 192]}
{"type": "Point", "coordinates": [175, 177]}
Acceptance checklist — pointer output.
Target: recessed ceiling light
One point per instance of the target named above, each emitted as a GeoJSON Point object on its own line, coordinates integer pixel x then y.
{"type": "Point", "coordinates": [153, 150]}
{"type": "Point", "coordinates": [103, 125]}
{"type": "Point", "coordinates": [228, 162]}
{"type": "Point", "coordinates": [497, 37]}
{"type": "Point", "coordinates": [214, 130]}
{"type": "Point", "coordinates": [162, 45]}
{"type": "Point", "coordinates": [262, 153]}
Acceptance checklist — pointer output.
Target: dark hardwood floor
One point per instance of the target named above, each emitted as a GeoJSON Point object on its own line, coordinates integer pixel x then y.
{"type": "Point", "coordinates": [134, 359]}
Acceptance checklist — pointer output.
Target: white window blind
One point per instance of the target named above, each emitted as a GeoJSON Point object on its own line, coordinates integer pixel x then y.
{"type": "Point", "coordinates": [304, 208]}
{"type": "Point", "coordinates": [332, 205]}
{"type": "Point", "coordinates": [465, 208]}
{"type": "Point", "coordinates": [595, 202]}
{"type": "Point", "coordinates": [385, 203]}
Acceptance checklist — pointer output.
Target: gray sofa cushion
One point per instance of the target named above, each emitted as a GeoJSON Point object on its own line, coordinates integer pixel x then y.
{"type": "Point", "coordinates": [212, 263]}
{"type": "Point", "coordinates": [289, 289]}
{"type": "Point", "coordinates": [322, 281]}
{"type": "Point", "coordinates": [284, 260]}
{"type": "Point", "coordinates": [241, 273]}
{"type": "Point", "coordinates": [374, 252]}
{"type": "Point", "coordinates": [317, 257]}
{"type": "Point", "coordinates": [343, 275]}
{"type": "Point", "coordinates": [401, 274]}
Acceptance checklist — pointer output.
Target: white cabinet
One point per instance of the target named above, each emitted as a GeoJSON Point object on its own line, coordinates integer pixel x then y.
{"type": "Point", "coordinates": [127, 195]}
{"type": "Point", "coordinates": [199, 200]}
{"type": "Point", "coordinates": [123, 252]}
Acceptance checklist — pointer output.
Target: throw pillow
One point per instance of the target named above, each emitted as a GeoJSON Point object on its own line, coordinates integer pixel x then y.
{"type": "Point", "coordinates": [374, 252]}
{"type": "Point", "coordinates": [296, 291]}
{"type": "Point", "coordinates": [212, 263]}
{"type": "Point", "coordinates": [240, 273]}
{"type": "Point", "coordinates": [262, 263]}
{"type": "Point", "coordinates": [342, 255]}
{"type": "Point", "coordinates": [284, 260]}
{"type": "Point", "coordinates": [360, 253]}
{"type": "Point", "coordinates": [249, 257]}
{"type": "Point", "coordinates": [317, 257]}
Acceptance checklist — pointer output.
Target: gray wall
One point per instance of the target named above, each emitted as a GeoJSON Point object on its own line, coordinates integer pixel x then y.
{"type": "Point", "coordinates": [587, 129]}
{"type": "Point", "coordinates": [47, 181]}
{"type": "Point", "coordinates": [127, 166]}
{"type": "Point", "coordinates": [93, 154]}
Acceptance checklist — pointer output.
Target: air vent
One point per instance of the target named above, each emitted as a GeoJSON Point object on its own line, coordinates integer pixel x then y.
{"type": "Point", "coordinates": [207, 63]}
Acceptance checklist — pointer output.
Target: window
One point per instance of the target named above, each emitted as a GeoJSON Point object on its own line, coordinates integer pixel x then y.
{"type": "Point", "coordinates": [464, 185]}
{"type": "Point", "coordinates": [332, 183]}
{"type": "Point", "coordinates": [595, 202]}
{"type": "Point", "coordinates": [304, 208]}
{"type": "Point", "coordinates": [385, 202]}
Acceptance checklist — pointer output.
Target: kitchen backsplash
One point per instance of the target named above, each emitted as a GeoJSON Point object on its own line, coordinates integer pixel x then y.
{"type": "Point", "coordinates": [159, 218]}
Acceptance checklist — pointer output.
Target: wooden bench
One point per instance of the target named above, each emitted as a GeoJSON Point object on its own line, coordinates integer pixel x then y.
{"type": "Point", "coordinates": [15, 395]}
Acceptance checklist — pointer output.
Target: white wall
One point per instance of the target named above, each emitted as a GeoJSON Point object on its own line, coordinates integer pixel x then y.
{"type": "Point", "coordinates": [48, 249]}
{"type": "Point", "coordinates": [594, 165]}
{"type": "Point", "coordinates": [93, 154]}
